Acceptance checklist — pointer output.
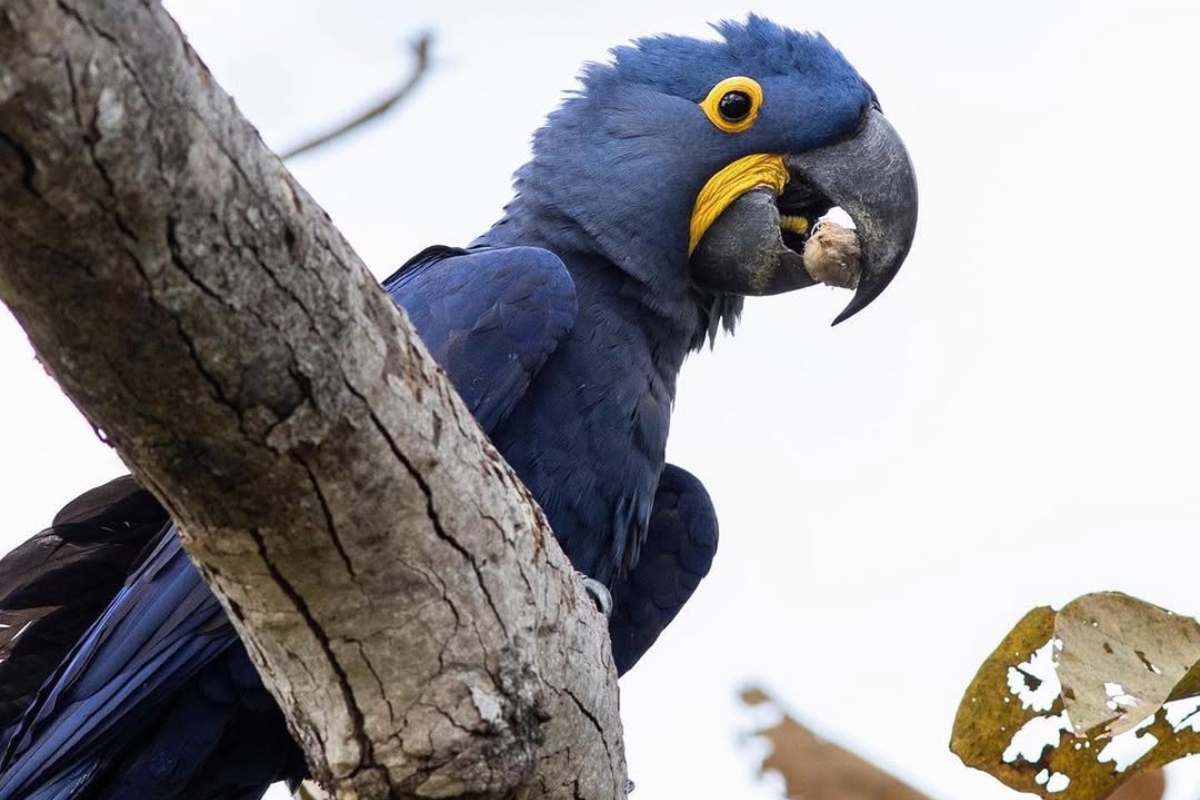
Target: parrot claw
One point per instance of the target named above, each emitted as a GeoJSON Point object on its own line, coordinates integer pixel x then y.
{"type": "Point", "coordinates": [599, 594]}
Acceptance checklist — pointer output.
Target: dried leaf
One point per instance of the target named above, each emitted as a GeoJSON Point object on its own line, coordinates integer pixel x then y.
{"type": "Point", "coordinates": [1120, 659]}
{"type": "Point", "coordinates": [1150, 785]}
{"type": "Point", "coordinates": [1012, 720]}
{"type": "Point", "coordinates": [814, 769]}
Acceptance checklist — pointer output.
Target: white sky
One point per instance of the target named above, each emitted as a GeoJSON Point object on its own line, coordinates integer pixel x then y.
{"type": "Point", "coordinates": [1013, 423]}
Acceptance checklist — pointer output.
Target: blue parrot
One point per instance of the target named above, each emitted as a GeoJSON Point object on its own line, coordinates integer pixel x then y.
{"type": "Point", "coordinates": [684, 176]}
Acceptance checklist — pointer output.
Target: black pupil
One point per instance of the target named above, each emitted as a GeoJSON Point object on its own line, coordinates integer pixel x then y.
{"type": "Point", "coordinates": [735, 106]}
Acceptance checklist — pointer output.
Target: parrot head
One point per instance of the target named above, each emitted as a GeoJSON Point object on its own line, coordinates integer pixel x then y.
{"type": "Point", "coordinates": [700, 167]}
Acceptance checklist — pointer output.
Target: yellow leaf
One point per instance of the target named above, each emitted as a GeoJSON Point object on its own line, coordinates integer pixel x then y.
{"type": "Point", "coordinates": [1188, 685]}
{"type": "Point", "coordinates": [1013, 721]}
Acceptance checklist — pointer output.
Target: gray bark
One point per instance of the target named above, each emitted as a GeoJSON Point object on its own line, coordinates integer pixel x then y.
{"type": "Point", "coordinates": [396, 585]}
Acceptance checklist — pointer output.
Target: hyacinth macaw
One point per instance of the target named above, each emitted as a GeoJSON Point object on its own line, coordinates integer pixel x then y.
{"type": "Point", "coordinates": [683, 176]}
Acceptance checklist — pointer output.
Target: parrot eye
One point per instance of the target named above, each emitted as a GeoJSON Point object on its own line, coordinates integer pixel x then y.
{"type": "Point", "coordinates": [733, 104]}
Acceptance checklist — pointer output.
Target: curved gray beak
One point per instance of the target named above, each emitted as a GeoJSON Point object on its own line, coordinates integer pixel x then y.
{"type": "Point", "coordinates": [868, 175]}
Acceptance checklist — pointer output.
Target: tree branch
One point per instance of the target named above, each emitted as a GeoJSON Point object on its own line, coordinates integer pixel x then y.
{"type": "Point", "coordinates": [396, 585]}
{"type": "Point", "coordinates": [420, 68]}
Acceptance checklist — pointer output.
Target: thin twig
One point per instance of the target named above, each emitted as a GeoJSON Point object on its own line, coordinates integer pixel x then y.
{"type": "Point", "coordinates": [420, 67]}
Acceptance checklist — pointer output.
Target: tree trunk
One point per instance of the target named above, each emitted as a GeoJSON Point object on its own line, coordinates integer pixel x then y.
{"type": "Point", "coordinates": [396, 585]}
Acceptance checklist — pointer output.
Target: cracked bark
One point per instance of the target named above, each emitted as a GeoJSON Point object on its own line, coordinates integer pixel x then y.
{"type": "Point", "coordinates": [394, 582]}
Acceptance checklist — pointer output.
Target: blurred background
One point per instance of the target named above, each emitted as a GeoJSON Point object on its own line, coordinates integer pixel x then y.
{"type": "Point", "coordinates": [1014, 423]}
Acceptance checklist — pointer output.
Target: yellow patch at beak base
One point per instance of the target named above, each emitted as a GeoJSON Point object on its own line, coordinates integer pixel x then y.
{"type": "Point", "coordinates": [730, 183]}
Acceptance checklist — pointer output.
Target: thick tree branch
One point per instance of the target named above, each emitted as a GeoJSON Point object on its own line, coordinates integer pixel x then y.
{"type": "Point", "coordinates": [394, 582]}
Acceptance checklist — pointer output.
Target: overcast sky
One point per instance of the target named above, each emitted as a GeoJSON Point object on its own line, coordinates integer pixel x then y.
{"type": "Point", "coordinates": [1014, 423]}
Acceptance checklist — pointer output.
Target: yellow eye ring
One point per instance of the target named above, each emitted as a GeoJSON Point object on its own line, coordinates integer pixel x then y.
{"type": "Point", "coordinates": [733, 104]}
